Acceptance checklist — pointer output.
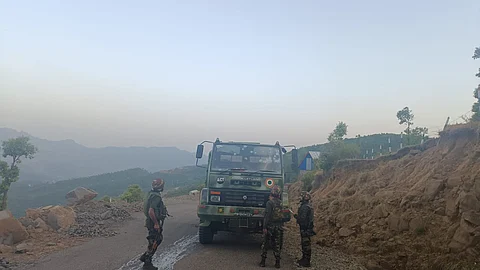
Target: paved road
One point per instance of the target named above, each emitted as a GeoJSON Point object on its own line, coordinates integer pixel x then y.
{"type": "Point", "coordinates": [114, 252]}
{"type": "Point", "coordinates": [179, 250]}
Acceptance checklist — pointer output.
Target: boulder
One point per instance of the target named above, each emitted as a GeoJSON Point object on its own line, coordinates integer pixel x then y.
{"type": "Point", "coordinates": [345, 232]}
{"type": "Point", "coordinates": [417, 224]}
{"type": "Point", "coordinates": [380, 211]}
{"type": "Point", "coordinates": [472, 217]}
{"type": "Point", "coordinates": [468, 201]}
{"type": "Point", "coordinates": [40, 224]}
{"type": "Point", "coordinates": [432, 189]}
{"type": "Point", "coordinates": [5, 249]}
{"type": "Point", "coordinates": [451, 208]}
{"type": "Point", "coordinates": [11, 230]}
{"type": "Point", "coordinates": [461, 240]}
{"type": "Point", "coordinates": [80, 195]}
{"type": "Point", "coordinates": [60, 217]}
{"type": "Point", "coordinates": [21, 248]}
{"type": "Point", "coordinates": [33, 213]}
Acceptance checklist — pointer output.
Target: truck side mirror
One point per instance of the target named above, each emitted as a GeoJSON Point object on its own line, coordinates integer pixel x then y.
{"type": "Point", "coordinates": [199, 151]}
{"type": "Point", "coordinates": [294, 158]}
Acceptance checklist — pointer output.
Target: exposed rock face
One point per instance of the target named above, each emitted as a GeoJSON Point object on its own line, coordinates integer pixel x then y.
{"type": "Point", "coordinates": [80, 195]}
{"type": "Point", "coordinates": [11, 230]}
{"type": "Point", "coordinates": [415, 209]}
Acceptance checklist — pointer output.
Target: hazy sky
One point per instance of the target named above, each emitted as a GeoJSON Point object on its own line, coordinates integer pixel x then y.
{"type": "Point", "coordinates": [173, 73]}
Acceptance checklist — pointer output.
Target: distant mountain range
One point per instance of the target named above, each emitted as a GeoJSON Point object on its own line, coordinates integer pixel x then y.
{"type": "Point", "coordinates": [66, 159]}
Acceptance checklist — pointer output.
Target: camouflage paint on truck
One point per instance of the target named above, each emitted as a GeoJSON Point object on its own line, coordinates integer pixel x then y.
{"type": "Point", "coordinates": [237, 187]}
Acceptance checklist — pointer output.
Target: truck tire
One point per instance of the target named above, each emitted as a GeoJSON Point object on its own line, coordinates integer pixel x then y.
{"type": "Point", "coordinates": [205, 235]}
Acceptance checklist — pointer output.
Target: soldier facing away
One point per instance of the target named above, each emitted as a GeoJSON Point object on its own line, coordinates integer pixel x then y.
{"type": "Point", "coordinates": [305, 221]}
{"type": "Point", "coordinates": [155, 213]}
{"type": "Point", "coordinates": [273, 227]}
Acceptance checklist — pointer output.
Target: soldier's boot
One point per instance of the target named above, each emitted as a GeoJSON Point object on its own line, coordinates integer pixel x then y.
{"type": "Point", "coordinates": [304, 263]}
{"type": "Point", "coordinates": [301, 260]}
{"type": "Point", "coordinates": [277, 263]}
{"type": "Point", "coordinates": [143, 257]}
{"type": "Point", "coordinates": [149, 266]}
{"type": "Point", "coordinates": [262, 262]}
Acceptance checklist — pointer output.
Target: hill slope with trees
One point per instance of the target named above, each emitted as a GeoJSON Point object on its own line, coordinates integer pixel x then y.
{"type": "Point", "coordinates": [25, 195]}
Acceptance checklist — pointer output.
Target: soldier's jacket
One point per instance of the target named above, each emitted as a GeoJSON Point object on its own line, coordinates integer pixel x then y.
{"type": "Point", "coordinates": [305, 216]}
{"type": "Point", "coordinates": [273, 213]}
{"type": "Point", "coordinates": [154, 200]}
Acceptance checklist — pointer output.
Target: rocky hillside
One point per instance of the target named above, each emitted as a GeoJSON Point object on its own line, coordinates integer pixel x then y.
{"type": "Point", "coordinates": [416, 209]}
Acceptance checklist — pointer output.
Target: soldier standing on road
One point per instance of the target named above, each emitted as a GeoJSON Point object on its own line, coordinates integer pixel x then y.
{"type": "Point", "coordinates": [305, 220]}
{"type": "Point", "coordinates": [273, 227]}
{"type": "Point", "coordinates": [155, 212]}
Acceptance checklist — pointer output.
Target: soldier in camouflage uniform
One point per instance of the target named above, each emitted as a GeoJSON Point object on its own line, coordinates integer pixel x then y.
{"type": "Point", "coordinates": [155, 212]}
{"type": "Point", "coordinates": [273, 227]}
{"type": "Point", "coordinates": [305, 220]}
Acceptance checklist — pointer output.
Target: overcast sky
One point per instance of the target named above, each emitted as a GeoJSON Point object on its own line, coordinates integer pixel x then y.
{"type": "Point", "coordinates": [174, 73]}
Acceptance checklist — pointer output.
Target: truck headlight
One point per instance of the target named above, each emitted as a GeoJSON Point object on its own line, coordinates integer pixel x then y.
{"type": "Point", "coordinates": [215, 198]}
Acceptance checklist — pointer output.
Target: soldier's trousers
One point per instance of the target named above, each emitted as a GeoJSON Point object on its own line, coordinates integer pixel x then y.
{"type": "Point", "coordinates": [274, 240]}
{"type": "Point", "coordinates": [154, 238]}
{"type": "Point", "coordinates": [306, 243]}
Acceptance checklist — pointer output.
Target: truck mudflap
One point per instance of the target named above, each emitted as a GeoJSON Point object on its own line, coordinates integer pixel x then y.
{"type": "Point", "coordinates": [205, 223]}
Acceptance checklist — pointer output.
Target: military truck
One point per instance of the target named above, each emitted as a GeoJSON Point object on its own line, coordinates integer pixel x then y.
{"type": "Point", "coordinates": [239, 176]}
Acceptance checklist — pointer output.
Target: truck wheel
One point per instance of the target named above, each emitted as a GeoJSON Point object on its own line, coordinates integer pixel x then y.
{"type": "Point", "coordinates": [205, 235]}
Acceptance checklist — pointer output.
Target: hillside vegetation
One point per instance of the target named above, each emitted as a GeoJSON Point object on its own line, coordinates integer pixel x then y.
{"type": "Point", "coordinates": [25, 195]}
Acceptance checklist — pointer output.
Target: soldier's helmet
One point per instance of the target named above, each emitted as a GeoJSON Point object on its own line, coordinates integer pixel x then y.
{"type": "Point", "coordinates": [275, 191]}
{"type": "Point", "coordinates": [305, 196]}
{"type": "Point", "coordinates": [158, 184]}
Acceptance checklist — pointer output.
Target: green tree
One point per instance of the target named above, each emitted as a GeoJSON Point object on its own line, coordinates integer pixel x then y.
{"type": "Point", "coordinates": [338, 133]}
{"type": "Point", "coordinates": [405, 117]}
{"type": "Point", "coordinates": [337, 149]}
{"type": "Point", "coordinates": [475, 107]}
{"type": "Point", "coordinates": [133, 194]}
{"type": "Point", "coordinates": [15, 149]}
{"type": "Point", "coordinates": [417, 134]}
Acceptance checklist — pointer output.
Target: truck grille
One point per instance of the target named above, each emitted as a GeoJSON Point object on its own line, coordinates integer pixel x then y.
{"type": "Point", "coordinates": [237, 198]}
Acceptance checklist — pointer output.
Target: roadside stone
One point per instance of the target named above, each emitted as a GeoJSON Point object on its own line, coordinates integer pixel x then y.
{"type": "Point", "coordinates": [33, 214]}
{"type": "Point", "coordinates": [5, 249]}
{"type": "Point", "coordinates": [417, 224]}
{"type": "Point", "coordinates": [380, 211]}
{"type": "Point", "coordinates": [51, 244]}
{"type": "Point", "coordinates": [40, 224]}
{"type": "Point", "coordinates": [439, 211]}
{"type": "Point", "coordinates": [345, 232]}
{"type": "Point", "coordinates": [472, 217]}
{"type": "Point", "coordinates": [80, 195]}
{"type": "Point", "coordinates": [106, 215]}
{"type": "Point", "coordinates": [468, 202]}
{"type": "Point", "coordinates": [373, 265]}
{"type": "Point", "coordinates": [432, 189]}
{"type": "Point", "coordinates": [394, 222]}
{"type": "Point", "coordinates": [21, 248]}
{"type": "Point", "coordinates": [451, 209]}
{"type": "Point", "coordinates": [60, 217]}
{"type": "Point", "coordinates": [460, 240]}
{"type": "Point", "coordinates": [11, 230]}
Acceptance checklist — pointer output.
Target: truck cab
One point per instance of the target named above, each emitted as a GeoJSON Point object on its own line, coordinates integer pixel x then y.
{"type": "Point", "coordinates": [238, 180]}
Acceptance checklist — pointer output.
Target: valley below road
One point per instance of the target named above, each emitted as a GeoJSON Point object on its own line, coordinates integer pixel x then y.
{"type": "Point", "coordinates": [179, 250]}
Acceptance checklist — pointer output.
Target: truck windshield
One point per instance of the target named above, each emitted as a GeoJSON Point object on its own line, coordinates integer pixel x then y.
{"type": "Point", "coordinates": [246, 157]}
